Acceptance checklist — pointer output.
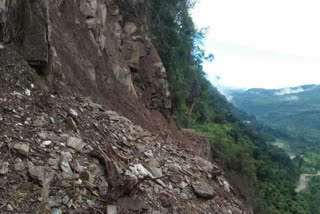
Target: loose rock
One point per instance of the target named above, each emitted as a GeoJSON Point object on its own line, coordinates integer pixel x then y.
{"type": "Point", "coordinates": [65, 158]}
{"type": "Point", "coordinates": [75, 143]}
{"type": "Point", "coordinates": [111, 209]}
{"type": "Point", "coordinates": [4, 167]}
{"type": "Point", "coordinates": [203, 190]}
{"type": "Point", "coordinates": [22, 148]}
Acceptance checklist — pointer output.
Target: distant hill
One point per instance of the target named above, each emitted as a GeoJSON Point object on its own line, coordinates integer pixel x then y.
{"type": "Point", "coordinates": [294, 110]}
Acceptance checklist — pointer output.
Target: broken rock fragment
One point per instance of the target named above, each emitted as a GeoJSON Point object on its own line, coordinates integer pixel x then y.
{"type": "Point", "coordinates": [40, 121]}
{"type": "Point", "coordinates": [4, 168]}
{"type": "Point", "coordinates": [203, 190]}
{"type": "Point", "coordinates": [19, 166]}
{"type": "Point", "coordinates": [103, 188]}
{"type": "Point", "coordinates": [140, 171]}
{"type": "Point", "coordinates": [112, 209]}
{"type": "Point", "coordinates": [40, 173]}
{"type": "Point", "coordinates": [157, 172]}
{"type": "Point", "coordinates": [76, 143]}
{"type": "Point", "coordinates": [66, 157]}
{"type": "Point", "coordinates": [70, 124]}
{"type": "Point", "coordinates": [22, 148]}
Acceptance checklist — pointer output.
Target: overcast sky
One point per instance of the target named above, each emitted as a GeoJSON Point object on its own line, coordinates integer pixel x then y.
{"type": "Point", "coordinates": [261, 43]}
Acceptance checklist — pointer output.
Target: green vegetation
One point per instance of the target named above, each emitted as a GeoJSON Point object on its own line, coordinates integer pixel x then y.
{"type": "Point", "coordinates": [267, 171]}
{"type": "Point", "coordinates": [264, 171]}
{"type": "Point", "coordinates": [296, 114]}
{"type": "Point", "coordinates": [312, 195]}
{"type": "Point", "coordinates": [178, 43]}
{"type": "Point", "coordinates": [292, 117]}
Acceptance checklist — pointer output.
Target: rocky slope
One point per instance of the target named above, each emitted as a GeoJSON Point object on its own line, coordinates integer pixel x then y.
{"type": "Point", "coordinates": [61, 152]}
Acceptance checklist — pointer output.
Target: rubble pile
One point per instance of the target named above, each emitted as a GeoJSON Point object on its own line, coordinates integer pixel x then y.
{"type": "Point", "coordinates": [66, 154]}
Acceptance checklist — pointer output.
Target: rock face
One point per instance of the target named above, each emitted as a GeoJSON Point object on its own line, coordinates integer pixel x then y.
{"type": "Point", "coordinates": [89, 42]}
{"type": "Point", "coordinates": [26, 24]}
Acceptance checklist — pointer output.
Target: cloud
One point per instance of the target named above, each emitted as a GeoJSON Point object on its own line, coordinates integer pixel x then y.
{"type": "Point", "coordinates": [254, 92]}
{"type": "Point", "coordinates": [285, 91]}
{"type": "Point", "coordinates": [251, 52]}
{"type": "Point", "coordinates": [291, 98]}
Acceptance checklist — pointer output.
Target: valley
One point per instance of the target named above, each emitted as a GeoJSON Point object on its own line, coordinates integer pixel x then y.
{"type": "Point", "coordinates": [292, 115]}
{"type": "Point", "coordinates": [289, 117]}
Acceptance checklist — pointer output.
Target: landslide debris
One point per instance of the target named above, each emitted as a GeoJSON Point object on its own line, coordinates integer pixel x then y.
{"type": "Point", "coordinates": [66, 154]}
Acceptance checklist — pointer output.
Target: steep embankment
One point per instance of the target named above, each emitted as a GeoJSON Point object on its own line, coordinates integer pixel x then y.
{"type": "Point", "coordinates": [64, 153]}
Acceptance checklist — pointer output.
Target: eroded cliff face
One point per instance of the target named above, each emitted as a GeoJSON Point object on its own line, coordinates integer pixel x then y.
{"type": "Point", "coordinates": [62, 152]}
{"type": "Point", "coordinates": [91, 45]}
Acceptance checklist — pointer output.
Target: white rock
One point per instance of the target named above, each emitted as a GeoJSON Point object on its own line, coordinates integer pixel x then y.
{"type": "Point", "coordinates": [4, 168]}
{"type": "Point", "coordinates": [139, 170]}
{"type": "Point", "coordinates": [27, 92]}
{"type": "Point", "coordinates": [47, 142]}
{"type": "Point", "coordinates": [51, 120]}
{"type": "Point", "coordinates": [73, 112]}
{"type": "Point", "coordinates": [226, 186]}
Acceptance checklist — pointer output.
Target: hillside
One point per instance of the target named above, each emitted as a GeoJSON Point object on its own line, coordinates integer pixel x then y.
{"type": "Point", "coordinates": [101, 102]}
